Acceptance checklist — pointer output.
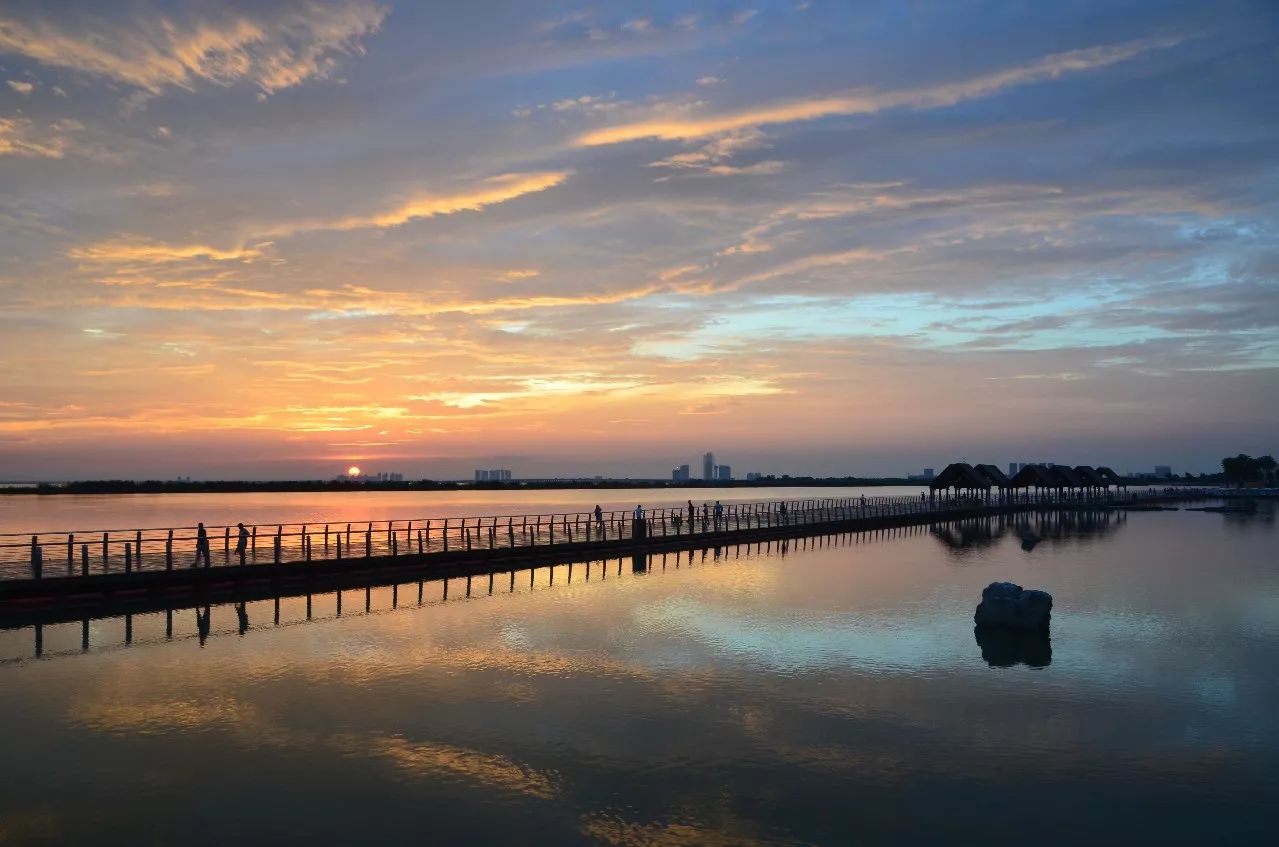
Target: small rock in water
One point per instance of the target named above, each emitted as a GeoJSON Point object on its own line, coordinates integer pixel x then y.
{"type": "Point", "coordinates": [1008, 605]}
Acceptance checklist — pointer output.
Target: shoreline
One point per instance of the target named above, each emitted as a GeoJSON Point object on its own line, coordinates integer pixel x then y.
{"type": "Point", "coordinates": [292, 486]}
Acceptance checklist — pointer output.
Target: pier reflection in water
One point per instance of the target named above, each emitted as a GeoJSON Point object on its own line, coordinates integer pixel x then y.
{"type": "Point", "coordinates": [817, 691]}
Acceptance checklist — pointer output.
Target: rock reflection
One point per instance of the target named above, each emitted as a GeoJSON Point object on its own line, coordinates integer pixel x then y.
{"type": "Point", "coordinates": [1004, 648]}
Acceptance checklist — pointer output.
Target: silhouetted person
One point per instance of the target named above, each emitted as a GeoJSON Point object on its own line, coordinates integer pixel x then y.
{"type": "Point", "coordinates": [692, 515]}
{"type": "Point", "coordinates": [201, 546]}
{"type": "Point", "coordinates": [719, 511]}
{"type": "Point", "coordinates": [782, 510]}
{"type": "Point", "coordinates": [706, 512]}
{"type": "Point", "coordinates": [242, 543]}
{"type": "Point", "coordinates": [242, 614]}
{"type": "Point", "coordinates": [678, 521]}
{"type": "Point", "coordinates": [202, 623]}
{"type": "Point", "coordinates": [639, 513]}
{"type": "Point", "coordinates": [599, 514]}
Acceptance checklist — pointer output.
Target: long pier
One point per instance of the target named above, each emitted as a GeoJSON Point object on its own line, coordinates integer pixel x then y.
{"type": "Point", "coordinates": [54, 631]}
{"type": "Point", "coordinates": [83, 568]}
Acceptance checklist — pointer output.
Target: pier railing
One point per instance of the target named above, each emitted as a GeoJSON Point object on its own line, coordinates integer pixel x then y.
{"type": "Point", "coordinates": [69, 554]}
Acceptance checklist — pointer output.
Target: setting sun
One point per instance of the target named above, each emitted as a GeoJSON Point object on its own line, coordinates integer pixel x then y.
{"type": "Point", "coordinates": [353, 471]}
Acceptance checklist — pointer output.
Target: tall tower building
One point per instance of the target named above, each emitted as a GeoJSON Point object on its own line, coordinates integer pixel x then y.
{"type": "Point", "coordinates": [708, 467]}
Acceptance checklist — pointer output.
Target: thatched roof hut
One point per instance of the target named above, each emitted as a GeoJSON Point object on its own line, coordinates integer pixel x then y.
{"type": "Point", "coordinates": [997, 477]}
{"type": "Point", "coordinates": [1035, 476]}
{"type": "Point", "coordinates": [959, 475]}
{"type": "Point", "coordinates": [1112, 477]}
{"type": "Point", "coordinates": [1090, 476]}
{"type": "Point", "coordinates": [1068, 477]}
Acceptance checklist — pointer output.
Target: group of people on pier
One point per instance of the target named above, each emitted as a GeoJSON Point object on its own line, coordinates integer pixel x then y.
{"type": "Point", "coordinates": [202, 544]}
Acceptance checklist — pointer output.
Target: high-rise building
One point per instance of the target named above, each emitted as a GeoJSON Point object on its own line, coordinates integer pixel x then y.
{"type": "Point", "coordinates": [723, 471]}
{"type": "Point", "coordinates": [495, 475]}
{"type": "Point", "coordinates": [929, 473]}
{"type": "Point", "coordinates": [1163, 470]}
{"type": "Point", "coordinates": [680, 473]}
{"type": "Point", "coordinates": [754, 475]}
{"type": "Point", "coordinates": [708, 467]}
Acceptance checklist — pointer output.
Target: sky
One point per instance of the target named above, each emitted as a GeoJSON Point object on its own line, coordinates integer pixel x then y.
{"type": "Point", "coordinates": [272, 240]}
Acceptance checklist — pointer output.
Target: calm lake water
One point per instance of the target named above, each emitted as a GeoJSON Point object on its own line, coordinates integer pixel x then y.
{"type": "Point", "coordinates": [829, 692]}
{"type": "Point", "coordinates": [58, 513]}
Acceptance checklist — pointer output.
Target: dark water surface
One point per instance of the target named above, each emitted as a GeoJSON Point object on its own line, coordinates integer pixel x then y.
{"type": "Point", "coordinates": [833, 693]}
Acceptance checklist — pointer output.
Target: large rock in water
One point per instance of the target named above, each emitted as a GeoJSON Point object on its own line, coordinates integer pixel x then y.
{"type": "Point", "coordinates": [1008, 605]}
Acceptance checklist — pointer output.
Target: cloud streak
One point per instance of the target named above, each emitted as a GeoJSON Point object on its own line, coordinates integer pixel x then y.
{"type": "Point", "coordinates": [680, 128]}
{"type": "Point", "coordinates": [272, 47]}
{"type": "Point", "coordinates": [489, 192]}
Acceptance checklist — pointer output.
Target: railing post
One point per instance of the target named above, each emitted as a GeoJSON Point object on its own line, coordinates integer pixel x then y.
{"type": "Point", "coordinates": [106, 564]}
{"type": "Point", "coordinates": [278, 542]}
{"type": "Point", "coordinates": [444, 535]}
{"type": "Point", "coordinates": [368, 542]}
{"type": "Point", "coordinates": [70, 553]}
{"type": "Point", "coordinates": [84, 560]}
{"type": "Point", "coordinates": [168, 552]}
{"type": "Point", "coordinates": [339, 546]}
{"type": "Point", "coordinates": [226, 543]}
{"type": "Point", "coordinates": [37, 559]}
{"type": "Point", "coordinates": [128, 557]}
{"type": "Point", "coordinates": [510, 531]}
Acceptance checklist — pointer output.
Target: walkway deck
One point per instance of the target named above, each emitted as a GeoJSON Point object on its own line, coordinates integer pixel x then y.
{"type": "Point", "coordinates": [69, 568]}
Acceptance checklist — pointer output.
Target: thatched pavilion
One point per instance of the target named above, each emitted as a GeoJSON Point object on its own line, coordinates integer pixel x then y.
{"type": "Point", "coordinates": [1112, 478]}
{"type": "Point", "coordinates": [960, 476]}
{"type": "Point", "coordinates": [997, 477]}
{"type": "Point", "coordinates": [1091, 478]}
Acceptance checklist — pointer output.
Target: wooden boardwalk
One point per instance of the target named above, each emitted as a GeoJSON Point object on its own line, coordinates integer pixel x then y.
{"type": "Point", "coordinates": [66, 568]}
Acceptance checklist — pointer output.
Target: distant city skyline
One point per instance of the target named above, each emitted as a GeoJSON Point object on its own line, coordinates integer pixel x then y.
{"type": "Point", "coordinates": [273, 240]}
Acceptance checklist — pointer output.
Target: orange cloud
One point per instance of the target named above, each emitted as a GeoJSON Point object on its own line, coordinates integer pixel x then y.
{"type": "Point", "coordinates": [859, 103]}
{"type": "Point", "coordinates": [273, 49]}
{"type": "Point", "coordinates": [149, 251]}
{"type": "Point", "coordinates": [20, 137]}
{"type": "Point", "coordinates": [489, 192]}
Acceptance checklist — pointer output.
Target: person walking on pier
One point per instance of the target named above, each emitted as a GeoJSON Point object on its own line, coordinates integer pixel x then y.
{"type": "Point", "coordinates": [692, 515]}
{"type": "Point", "coordinates": [599, 514]}
{"type": "Point", "coordinates": [639, 513]}
{"type": "Point", "coordinates": [241, 542]}
{"type": "Point", "coordinates": [201, 546]}
{"type": "Point", "coordinates": [719, 512]}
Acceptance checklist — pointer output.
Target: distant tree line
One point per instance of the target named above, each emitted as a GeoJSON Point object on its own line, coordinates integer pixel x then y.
{"type": "Point", "coordinates": [1244, 469]}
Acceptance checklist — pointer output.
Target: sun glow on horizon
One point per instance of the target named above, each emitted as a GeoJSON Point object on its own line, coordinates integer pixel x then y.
{"type": "Point", "coordinates": [354, 470]}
